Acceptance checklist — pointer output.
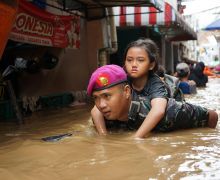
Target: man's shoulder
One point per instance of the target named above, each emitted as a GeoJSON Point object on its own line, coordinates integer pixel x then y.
{"type": "Point", "coordinates": [154, 80]}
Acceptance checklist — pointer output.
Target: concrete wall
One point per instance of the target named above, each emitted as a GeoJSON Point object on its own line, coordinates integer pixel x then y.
{"type": "Point", "coordinates": [95, 41]}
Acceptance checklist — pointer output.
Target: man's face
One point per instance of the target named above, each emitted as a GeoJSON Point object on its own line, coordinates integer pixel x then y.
{"type": "Point", "coordinates": [113, 102]}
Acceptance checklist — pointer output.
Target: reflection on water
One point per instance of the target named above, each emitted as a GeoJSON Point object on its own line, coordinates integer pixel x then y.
{"type": "Point", "coordinates": [186, 154]}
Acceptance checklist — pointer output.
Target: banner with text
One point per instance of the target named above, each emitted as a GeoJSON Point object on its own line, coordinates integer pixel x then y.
{"type": "Point", "coordinates": [36, 26]}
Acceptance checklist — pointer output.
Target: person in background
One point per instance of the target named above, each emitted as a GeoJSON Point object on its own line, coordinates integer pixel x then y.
{"type": "Point", "coordinates": [208, 71]}
{"type": "Point", "coordinates": [217, 69]}
{"type": "Point", "coordinates": [212, 72]}
{"type": "Point", "coordinates": [121, 107]}
{"type": "Point", "coordinates": [187, 86]}
{"type": "Point", "coordinates": [198, 76]}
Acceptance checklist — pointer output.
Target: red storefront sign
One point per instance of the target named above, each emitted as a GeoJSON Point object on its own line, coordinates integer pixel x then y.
{"type": "Point", "coordinates": [36, 26]}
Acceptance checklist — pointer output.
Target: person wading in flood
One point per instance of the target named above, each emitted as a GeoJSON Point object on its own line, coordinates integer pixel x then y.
{"type": "Point", "coordinates": [187, 86]}
{"type": "Point", "coordinates": [146, 106]}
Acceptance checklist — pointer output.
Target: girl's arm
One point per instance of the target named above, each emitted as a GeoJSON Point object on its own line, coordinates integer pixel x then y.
{"type": "Point", "coordinates": [98, 121]}
{"type": "Point", "coordinates": [156, 113]}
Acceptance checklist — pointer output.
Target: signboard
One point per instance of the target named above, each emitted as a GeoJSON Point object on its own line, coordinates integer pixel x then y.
{"type": "Point", "coordinates": [36, 26]}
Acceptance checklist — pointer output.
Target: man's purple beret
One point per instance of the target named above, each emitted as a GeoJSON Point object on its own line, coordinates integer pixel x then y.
{"type": "Point", "coordinates": [106, 77]}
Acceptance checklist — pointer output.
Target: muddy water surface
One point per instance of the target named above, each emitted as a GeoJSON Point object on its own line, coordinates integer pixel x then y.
{"type": "Point", "coordinates": [186, 154]}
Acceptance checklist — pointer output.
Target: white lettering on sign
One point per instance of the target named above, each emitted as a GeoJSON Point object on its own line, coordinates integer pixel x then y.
{"type": "Point", "coordinates": [27, 23]}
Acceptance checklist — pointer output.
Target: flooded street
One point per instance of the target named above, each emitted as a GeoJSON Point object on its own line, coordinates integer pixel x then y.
{"type": "Point", "coordinates": [185, 154]}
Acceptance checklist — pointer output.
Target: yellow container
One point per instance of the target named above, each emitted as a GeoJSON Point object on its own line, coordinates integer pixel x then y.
{"type": "Point", "coordinates": [8, 9]}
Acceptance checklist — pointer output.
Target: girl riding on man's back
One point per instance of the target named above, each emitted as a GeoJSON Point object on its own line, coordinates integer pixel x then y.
{"type": "Point", "coordinates": [165, 114]}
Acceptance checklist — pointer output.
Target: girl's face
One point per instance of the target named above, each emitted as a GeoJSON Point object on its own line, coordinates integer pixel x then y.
{"type": "Point", "coordinates": [137, 62]}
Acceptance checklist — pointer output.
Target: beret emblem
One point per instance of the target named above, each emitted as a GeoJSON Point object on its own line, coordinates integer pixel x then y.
{"type": "Point", "coordinates": [103, 80]}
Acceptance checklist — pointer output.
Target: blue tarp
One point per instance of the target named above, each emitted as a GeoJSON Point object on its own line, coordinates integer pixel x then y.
{"type": "Point", "coordinates": [214, 25]}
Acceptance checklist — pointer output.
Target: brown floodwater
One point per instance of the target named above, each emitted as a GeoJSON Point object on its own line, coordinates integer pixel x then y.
{"type": "Point", "coordinates": [185, 154]}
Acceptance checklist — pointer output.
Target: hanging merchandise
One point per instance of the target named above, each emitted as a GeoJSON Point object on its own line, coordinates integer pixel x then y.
{"type": "Point", "coordinates": [36, 26]}
{"type": "Point", "coordinates": [49, 61]}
